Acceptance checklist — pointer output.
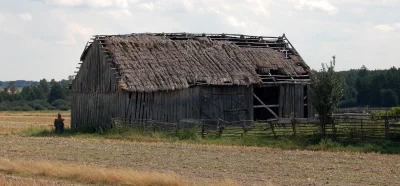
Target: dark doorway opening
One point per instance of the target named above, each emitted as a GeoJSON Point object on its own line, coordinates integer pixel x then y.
{"type": "Point", "coordinates": [270, 97]}
{"type": "Point", "coordinates": [305, 102]}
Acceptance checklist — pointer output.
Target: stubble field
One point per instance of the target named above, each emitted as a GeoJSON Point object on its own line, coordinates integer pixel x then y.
{"type": "Point", "coordinates": [93, 160]}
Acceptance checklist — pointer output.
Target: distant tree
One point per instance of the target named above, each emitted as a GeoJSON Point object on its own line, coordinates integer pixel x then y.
{"type": "Point", "coordinates": [389, 98]}
{"type": "Point", "coordinates": [56, 92]}
{"type": "Point", "coordinates": [52, 82]}
{"type": "Point", "coordinates": [378, 82]}
{"type": "Point", "coordinates": [362, 92]}
{"type": "Point", "coordinates": [327, 90]}
{"type": "Point", "coordinates": [28, 94]}
{"type": "Point", "coordinates": [363, 71]}
{"type": "Point", "coordinates": [12, 87]}
{"type": "Point", "coordinates": [39, 92]}
{"type": "Point", "coordinates": [348, 103]}
{"type": "Point", "coordinates": [44, 85]}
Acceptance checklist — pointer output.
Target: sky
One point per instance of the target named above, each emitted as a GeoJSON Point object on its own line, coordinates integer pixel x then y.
{"type": "Point", "coordinates": [45, 38]}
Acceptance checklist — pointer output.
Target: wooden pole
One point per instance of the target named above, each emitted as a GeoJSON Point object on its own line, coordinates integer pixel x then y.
{"type": "Point", "coordinates": [362, 134]}
{"type": "Point", "coordinates": [387, 127]}
{"type": "Point", "coordinates": [294, 126]}
{"type": "Point", "coordinates": [265, 106]}
{"type": "Point", "coordinates": [272, 128]}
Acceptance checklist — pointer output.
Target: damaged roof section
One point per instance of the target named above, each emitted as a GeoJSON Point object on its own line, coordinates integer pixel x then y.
{"type": "Point", "coordinates": [153, 62]}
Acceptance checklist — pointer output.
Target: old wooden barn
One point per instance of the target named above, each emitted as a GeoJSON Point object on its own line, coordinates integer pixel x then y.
{"type": "Point", "coordinates": [170, 77]}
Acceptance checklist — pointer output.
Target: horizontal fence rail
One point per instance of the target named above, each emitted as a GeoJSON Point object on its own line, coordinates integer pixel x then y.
{"type": "Point", "coordinates": [356, 127]}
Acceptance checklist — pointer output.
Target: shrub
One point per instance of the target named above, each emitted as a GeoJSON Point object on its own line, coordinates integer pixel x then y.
{"type": "Point", "coordinates": [395, 111]}
{"type": "Point", "coordinates": [36, 106]}
{"type": "Point", "coordinates": [191, 134]}
{"type": "Point", "coordinates": [60, 104]}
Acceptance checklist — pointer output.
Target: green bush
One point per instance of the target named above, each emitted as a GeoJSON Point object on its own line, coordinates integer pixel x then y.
{"type": "Point", "coordinates": [60, 104]}
{"type": "Point", "coordinates": [395, 111]}
{"type": "Point", "coordinates": [15, 106]}
{"type": "Point", "coordinates": [191, 134]}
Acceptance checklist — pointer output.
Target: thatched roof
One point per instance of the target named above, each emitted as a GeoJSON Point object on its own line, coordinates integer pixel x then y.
{"type": "Point", "coordinates": [149, 62]}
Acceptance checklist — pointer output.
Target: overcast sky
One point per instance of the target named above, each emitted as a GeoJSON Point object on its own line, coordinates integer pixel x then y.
{"type": "Point", "coordinates": [44, 38]}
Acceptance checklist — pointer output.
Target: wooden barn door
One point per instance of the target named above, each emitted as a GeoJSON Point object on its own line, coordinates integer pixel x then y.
{"type": "Point", "coordinates": [226, 103]}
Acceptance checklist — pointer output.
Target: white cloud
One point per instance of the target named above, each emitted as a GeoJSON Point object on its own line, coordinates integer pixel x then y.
{"type": "Point", "coordinates": [386, 28]}
{"type": "Point", "coordinates": [315, 4]}
{"type": "Point", "coordinates": [259, 7]}
{"type": "Point", "coordinates": [74, 31]}
{"type": "Point", "coordinates": [69, 40]}
{"type": "Point", "coordinates": [2, 18]}
{"type": "Point", "coordinates": [118, 13]}
{"type": "Point", "coordinates": [90, 3]}
{"type": "Point", "coordinates": [188, 5]}
{"type": "Point", "coordinates": [368, 2]}
{"type": "Point", "coordinates": [148, 6]}
{"type": "Point", "coordinates": [234, 22]}
{"type": "Point", "coordinates": [396, 25]}
{"type": "Point", "coordinates": [358, 10]}
{"type": "Point", "coordinates": [25, 17]}
{"type": "Point", "coordinates": [63, 2]}
{"type": "Point", "coordinates": [82, 31]}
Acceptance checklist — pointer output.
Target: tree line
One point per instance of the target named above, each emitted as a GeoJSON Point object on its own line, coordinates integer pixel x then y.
{"type": "Point", "coordinates": [373, 88]}
{"type": "Point", "coordinates": [363, 87]}
{"type": "Point", "coordinates": [42, 95]}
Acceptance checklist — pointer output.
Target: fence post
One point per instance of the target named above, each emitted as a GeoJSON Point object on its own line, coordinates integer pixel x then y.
{"type": "Point", "coordinates": [219, 128]}
{"type": "Point", "coordinates": [333, 128]}
{"type": "Point", "coordinates": [244, 129]}
{"type": "Point", "coordinates": [202, 130]}
{"type": "Point", "coordinates": [294, 126]}
{"type": "Point", "coordinates": [177, 128]}
{"type": "Point", "coordinates": [387, 129]}
{"type": "Point", "coordinates": [362, 133]}
{"type": "Point", "coordinates": [272, 128]}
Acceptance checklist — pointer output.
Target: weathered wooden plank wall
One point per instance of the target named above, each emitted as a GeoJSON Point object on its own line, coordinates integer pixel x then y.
{"type": "Point", "coordinates": [94, 91]}
{"type": "Point", "coordinates": [291, 101]}
{"type": "Point", "coordinates": [166, 106]}
{"type": "Point", "coordinates": [310, 108]}
{"type": "Point", "coordinates": [230, 103]}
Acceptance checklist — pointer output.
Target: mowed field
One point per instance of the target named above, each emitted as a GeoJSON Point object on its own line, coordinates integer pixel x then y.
{"type": "Point", "coordinates": [15, 122]}
{"type": "Point", "coordinates": [26, 160]}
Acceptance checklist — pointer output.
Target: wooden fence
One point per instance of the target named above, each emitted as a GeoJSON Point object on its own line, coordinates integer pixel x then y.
{"type": "Point", "coordinates": [342, 127]}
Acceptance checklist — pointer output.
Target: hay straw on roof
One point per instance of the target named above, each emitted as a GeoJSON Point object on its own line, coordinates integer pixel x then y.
{"type": "Point", "coordinates": [151, 63]}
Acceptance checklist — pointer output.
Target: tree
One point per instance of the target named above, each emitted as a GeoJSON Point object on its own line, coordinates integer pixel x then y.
{"type": "Point", "coordinates": [378, 82]}
{"type": "Point", "coordinates": [327, 90]}
{"type": "Point", "coordinates": [56, 92]}
{"type": "Point", "coordinates": [363, 92]}
{"type": "Point", "coordinates": [52, 82]}
{"type": "Point", "coordinates": [389, 98]}
{"type": "Point", "coordinates": [39, 93]}
{"type": "Point", "coordinates": [44, 85]}
{"type": "Point", "coordinates": [363, 71]}
{"type": "Point", "coordinates": [27, 93]}
{"type": "Point", "coordinates": [12, 87]}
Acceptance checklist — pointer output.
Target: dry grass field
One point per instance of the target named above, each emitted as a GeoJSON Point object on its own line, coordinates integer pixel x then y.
{"type": "Point", "coordinates": [96, 160]}
{"type": "Point", "coordinates": [15, 122]}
